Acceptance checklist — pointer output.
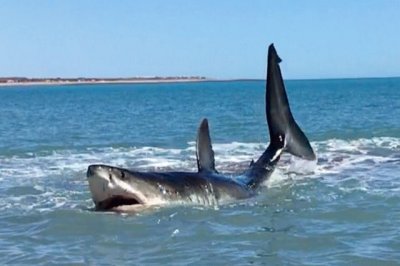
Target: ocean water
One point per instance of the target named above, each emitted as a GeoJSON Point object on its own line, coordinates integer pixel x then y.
{"type": "Point", "coordinates": [343, 209]}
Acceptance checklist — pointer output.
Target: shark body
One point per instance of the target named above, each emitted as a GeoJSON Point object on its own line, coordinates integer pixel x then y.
{"type": "Point", "coordinates": [115, 188]}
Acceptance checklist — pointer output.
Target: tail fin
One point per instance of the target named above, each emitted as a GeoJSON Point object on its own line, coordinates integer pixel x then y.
{"type": "Point", "coordinates": [281, 123]}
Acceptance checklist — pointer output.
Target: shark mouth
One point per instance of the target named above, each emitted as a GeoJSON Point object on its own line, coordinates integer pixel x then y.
{"type": "Point", "coordinates": [116, 201]}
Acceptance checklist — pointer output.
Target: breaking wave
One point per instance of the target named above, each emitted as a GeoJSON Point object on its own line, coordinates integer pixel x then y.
{"type": "Point", "coordinates": [335, 156]}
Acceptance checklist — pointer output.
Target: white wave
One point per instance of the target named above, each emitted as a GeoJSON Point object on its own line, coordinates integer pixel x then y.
{"type": "Point", "coordinates": [335, 156]}
{"type": "Point", "coordinates": [338, 155]}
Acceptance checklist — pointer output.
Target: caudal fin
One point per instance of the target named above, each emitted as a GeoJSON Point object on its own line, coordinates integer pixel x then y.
{"type": "Point", "coordinates": [281, 124]}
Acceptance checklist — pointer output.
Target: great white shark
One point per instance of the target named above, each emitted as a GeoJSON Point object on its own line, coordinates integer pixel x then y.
{"type": "Point", "coordinates": [119, 189]}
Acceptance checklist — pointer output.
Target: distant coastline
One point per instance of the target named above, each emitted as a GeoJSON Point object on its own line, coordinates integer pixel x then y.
{"type": "Point", "coordinates": [23, 81]}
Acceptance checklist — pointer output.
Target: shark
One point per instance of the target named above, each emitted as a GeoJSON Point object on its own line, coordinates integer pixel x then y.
{"type": "Point", "coordinates": [118, 189]}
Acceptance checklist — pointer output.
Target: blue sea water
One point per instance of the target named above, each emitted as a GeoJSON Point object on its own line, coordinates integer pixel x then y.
{"type": "Point", "coordinates": [343, 209]}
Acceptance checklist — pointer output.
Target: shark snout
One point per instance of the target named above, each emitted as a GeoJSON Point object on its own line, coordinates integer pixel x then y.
{"type": "Point", "coordinates": [94, 170]}
{"type": "Point", "coordinates": [91, 170]}
{"type": "Point", "coordinates": [106, 172]}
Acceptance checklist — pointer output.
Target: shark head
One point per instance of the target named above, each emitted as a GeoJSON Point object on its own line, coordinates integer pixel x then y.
{"type": "Point", "coordinates": [114, 188]}
{"type": "Point", "coordinates": [123, 190]}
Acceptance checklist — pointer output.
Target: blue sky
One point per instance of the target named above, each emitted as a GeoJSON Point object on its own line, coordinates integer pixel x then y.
{"type": "Point", "coordinates": [217, 39]}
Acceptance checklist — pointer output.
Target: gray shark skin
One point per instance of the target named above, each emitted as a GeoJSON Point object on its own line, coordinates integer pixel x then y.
{"type": "Point", "coordinates": [119, 189]}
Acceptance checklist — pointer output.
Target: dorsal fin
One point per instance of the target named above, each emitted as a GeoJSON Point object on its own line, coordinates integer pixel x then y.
{"type": "Point", "coordinates": [204, 151]}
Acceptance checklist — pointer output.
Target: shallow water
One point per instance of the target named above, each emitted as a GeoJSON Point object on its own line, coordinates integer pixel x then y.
{"type": "Point", "coordinates": [343, 209]}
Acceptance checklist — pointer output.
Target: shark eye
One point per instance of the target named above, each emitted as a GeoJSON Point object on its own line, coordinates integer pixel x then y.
{"type": "Point", "coordinates": [110, 176]}
{"type": "Point", "coordinates": [122, 175]}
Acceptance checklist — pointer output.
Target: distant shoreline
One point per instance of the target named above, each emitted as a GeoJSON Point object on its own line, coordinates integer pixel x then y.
{"type": "Point", "coordinates": [14, 82]}
{"type": "Point", "coordinates": [26, 82]}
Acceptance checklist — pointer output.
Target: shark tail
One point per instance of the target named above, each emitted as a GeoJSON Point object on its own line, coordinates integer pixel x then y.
{"type": "Point", "coordinates": [284, 132]}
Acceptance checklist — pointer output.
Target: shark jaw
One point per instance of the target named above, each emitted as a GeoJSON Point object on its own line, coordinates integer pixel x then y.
{"type": "Point", "coordinates": [115, 202]}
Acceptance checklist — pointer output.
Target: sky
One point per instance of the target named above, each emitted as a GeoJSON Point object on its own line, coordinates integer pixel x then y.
{"type": "Point", "coordinates": [223, 39]}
